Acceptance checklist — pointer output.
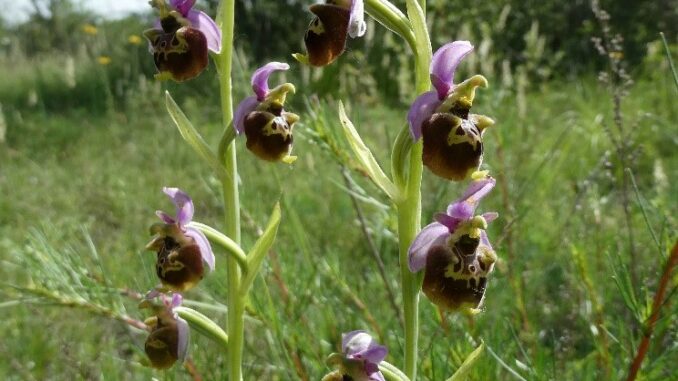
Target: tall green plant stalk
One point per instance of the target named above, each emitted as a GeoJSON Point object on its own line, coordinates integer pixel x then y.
{"type": "Point", "coordinates": [409, 208]}
{"type": "Point", "coordinates": [236, 303]}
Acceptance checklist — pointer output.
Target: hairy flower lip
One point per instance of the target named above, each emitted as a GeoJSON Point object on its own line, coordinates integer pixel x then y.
{"type": "Point", "coordinates": [326, 35]}
{"type": "Point", "coordinates": [169, 335]}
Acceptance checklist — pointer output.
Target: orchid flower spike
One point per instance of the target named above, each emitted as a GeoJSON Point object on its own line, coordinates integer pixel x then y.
{"type": "Point", "coordinates": [262, 118]}
{"type": "Point", "coordinates": [359, 360]}
{"type": "Point", "coordinates": [453, 145]}
{"type": "Point", "coordinates": [455, 253]}
{"type": "Point", "coordinates": [169, 334]}
{"type": "Point", "coordinates": [325, 38]}
{"type": "Point", "coordinates": [181, 39]}
{"type": "Point", "coordinates": [181, 249]}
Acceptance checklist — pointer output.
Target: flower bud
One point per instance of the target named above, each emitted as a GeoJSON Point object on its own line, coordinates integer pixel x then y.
{"type": "Point", "coordinates": [359, 359]}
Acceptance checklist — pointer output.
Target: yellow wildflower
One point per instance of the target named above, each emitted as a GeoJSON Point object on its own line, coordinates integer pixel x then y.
{"type": "Point", "coordinates": [90, 29]}
{"type": "Point", "coordinates": [134, 39]}
{"type": "Point", "coordinates": [104, 60]}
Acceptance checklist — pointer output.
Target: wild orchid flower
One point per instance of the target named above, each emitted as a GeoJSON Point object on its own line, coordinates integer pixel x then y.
{"type": "Point", "coordinates": [359, 360]}
{"type": "Point", "coordinates": [169, 334]}
{"type": "Point", "coordinates": [266, 124]}
{"type": "Point", "coordinates": [181, 249]}
{"type": "Point", "coordinates": [455, 253]}
{"type": "Point", "coordinates": [181, 39]}
{"type": "Point", "coordinates": [325, 38]}
{"type": "Point", "coordinates": [453, 145]}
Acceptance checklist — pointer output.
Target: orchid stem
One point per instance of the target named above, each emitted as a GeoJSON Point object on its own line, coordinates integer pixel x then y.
{"type": "Point", "coordinates": [409, 219]}
{"type": "Point", "coordinates": [232, 248]}
{"type": "Point", "coordinates": [236, 305]}
{"type": "Point", "coordinates": [409, 222]}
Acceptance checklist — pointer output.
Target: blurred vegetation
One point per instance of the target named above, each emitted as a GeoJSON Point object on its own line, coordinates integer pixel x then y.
{"type": "Point", "coordinates": [86, 145]}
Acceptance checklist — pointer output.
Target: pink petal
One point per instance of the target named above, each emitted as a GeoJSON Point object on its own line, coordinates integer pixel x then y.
{"type": "Point", "coordinates": [183, 203]}
{"type": "Point", "coordinates": [356, 22]}
{"type": "Point", "coordinates": [184, 337]}
{"type": "Point", "coordinates": [183, 6]}
{"type": "Point", "coordinates": [450, 221]}
{"type": "Point", "coordinates": [245, 107]}
{"type": "Point", "coordinates": [432, 234]}
{"type": "Point", "coordinates": [260, 78]}
{"type": "Point", "coordinates": [204, 245]}
{"type": "Point", "coordinates": [166, 218]}
{"type": "Point", "coordinates": [205, 24]}
{"type": "Point", "coordinates": [490, 216]}
{"type": "Point", "coordinates": [474, 193]}
{"type": "Point", "coordinates": [177, 299]}
{"type": "Point", "coordinates": [375, 354]}
{"type": "Point", "coordinates": [422, 108]}
{"type": "Point", "coordinates": [484, 240]}
{"type": "Point", "coordinates": [444, 63]}
{"type": "Point", "coordinates": [349, 337]}
{"type": "Point", "coordinates": [359, 345]}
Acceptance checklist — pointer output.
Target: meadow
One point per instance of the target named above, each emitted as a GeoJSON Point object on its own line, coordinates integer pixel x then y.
{"type": "Point", "coordinates": [585, 229]}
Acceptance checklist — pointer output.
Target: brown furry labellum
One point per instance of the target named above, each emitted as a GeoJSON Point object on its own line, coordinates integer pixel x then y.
{"type": "Point", "coordinates": [162, 345]}
{"type": "Point", "coordinates": [179, 264]}
{"type": "Point", "coordinates": [179, 52]}
{"type": "Point", "coordinates": [269, 133]}
{"type": "Point", "coordinates": [453, 147]}
{"type": "Point", "coordinates": [325, 37]}
{"type": "Point", "coordinates": [456, 275]}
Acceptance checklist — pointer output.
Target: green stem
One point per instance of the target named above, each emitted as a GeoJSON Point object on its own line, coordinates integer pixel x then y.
{"type": "Point", "coordinates": [235, 324]}
{"type": "Point", "coordinates": [232, 248]}
{"type": "Point", "coordinates": [409, 210]}
{"type": "Point", "coordinates": [203, 324]}
{"type": "Point", "coordinates": [391, 373]}
{"type": "Point", "coordinates": [409, 222]}
{"type": "Point", "coordinates": [392, 18]}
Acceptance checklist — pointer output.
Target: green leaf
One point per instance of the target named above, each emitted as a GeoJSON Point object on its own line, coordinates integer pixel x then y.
{"type": "Point", "coordinates": [256, 256]}
{"type": "Point", "coordinates": [423, 51]}
{"type": "Point", "coordinates": [463, 371]}
{"type": "Point", "coordinates": [203, 325]}
{"type": "Point", "coordinates": [192, 136]}
{"type": "Point", "coordinates": [365, 157]}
